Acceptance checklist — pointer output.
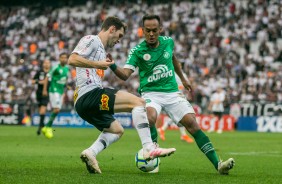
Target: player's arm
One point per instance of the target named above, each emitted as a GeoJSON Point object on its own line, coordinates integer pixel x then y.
{"type": "Point", "coordinates": [35, 78]}
{"type": "Point", "coordinates": [45, 86]}
{"type": "Point", "coordinates": [122, 73]}
{"type": "Point", "coordinates": [210, 106]}
{"type": "Point", "coordinates": [211, 103]}
{"type": "Point", "coordinates": [37, 81]}
{"type": "Point", "coordinates": [178, 71]}
{"type": "Point", "coordinates": [79, 61]}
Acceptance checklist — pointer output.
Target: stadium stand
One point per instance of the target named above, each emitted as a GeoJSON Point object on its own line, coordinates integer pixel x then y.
{"type": "Point", "coordinates": [235, 44]}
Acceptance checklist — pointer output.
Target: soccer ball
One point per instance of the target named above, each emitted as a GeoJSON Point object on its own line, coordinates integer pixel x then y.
{"type": "Point", "coordinates": [144, 165]}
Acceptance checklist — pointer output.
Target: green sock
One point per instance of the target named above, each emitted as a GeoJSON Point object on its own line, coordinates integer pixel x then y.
{"type": "Point", "coordinates": [154, 133]}
{"type": "Point", "coordinates": [206, 147]}
{"type": "Point", "coordinates": [51, 119]}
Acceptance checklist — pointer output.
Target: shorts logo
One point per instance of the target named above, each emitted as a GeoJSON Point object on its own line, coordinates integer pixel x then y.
{"type": "Point", "coordinates": [75, 94]}
{"type": "Point", "coordinates": [147, 100]}
{"type": "Point", "coordinates": [105, 103]}
{"type": "Point", "coordinates": [146, 57]}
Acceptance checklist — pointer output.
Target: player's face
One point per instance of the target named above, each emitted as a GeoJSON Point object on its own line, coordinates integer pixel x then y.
{"type": "Point", "coordinates": [115, 36]}
{"type": "Point", "coordinates": [46, 65]}
{"type": "Point", "coordinates": [151, 31]}
{"type": "Point", "coordinates": [63, 59]}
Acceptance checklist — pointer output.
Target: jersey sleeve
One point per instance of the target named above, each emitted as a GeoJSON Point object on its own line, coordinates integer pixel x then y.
{"type": "Point", "coordinates": [86, 46]}
{"type": "Point", "coordinates": [36, 76]}
{"type": "Point", "coordinates": [132, 59]}
{"type": "Point", "coordinates": [171, 42]}
{"type": "Point", "coordinates": [50, 73]}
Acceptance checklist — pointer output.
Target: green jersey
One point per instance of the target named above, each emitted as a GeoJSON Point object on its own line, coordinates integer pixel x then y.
{"type": "Point", "coordinates": [156, 70]}
{"type": "Point", "coordinates": [58, 78]}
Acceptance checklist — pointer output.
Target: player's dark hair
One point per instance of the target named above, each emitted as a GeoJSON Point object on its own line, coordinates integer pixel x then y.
{"type": "Point", "coordinates": [63, 53]}
{"type": "Point", "coordinates": [113, 21]}
{"type": "Point", "coordinates": [151, 17]}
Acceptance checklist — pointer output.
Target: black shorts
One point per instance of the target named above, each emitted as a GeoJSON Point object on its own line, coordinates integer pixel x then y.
{"type": "Point", "coordinates": [218, 114]}
{"type": "Point", "coordinates": [97, 107]}
{"type": "Point", "coordinates": [42, 100]}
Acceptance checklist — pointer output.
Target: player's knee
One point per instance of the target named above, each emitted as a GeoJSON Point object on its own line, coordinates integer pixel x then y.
{"type": "Point", "coordinates": [139, 102]}
{"type": "Point", "coordinates": [56, 110]}
{"type": "Point", "coordinates": [190, 123]}
{"type": "Point", "coordinates": [115, 128]}
{"type": "Point", "coordinates": [119, 131]}
{"type": "Point", "coordinates": [152, 120]}
{"type": "Point", "coordinates": [152, 115]}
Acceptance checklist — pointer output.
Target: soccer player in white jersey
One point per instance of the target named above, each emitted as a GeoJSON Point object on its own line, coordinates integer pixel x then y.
{"type": "Point", "coordinates": [96, 104]}
{"type": "Point", "coordinates": [157, 66]}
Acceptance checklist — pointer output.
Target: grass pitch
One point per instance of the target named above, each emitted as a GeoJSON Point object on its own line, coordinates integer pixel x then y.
{"type": "Point", "coordinates": [28, 158]}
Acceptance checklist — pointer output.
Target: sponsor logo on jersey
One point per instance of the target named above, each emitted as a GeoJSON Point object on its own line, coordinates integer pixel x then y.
{"type": "Point", "coordinates": [89, 43]}
{"type": "Point", "coordinates": [160, 72]}
{"type": "Point", "coordinates": [62, 80]}
{"type": "Point", "coordinates": [166, 54]}
{"type": "Point", "coordinates": [100, 73]}
{"type": "Point", "coordinates": [146, 57]}
{"type": "Point", "coordinates": [105, 103]}
{"type": "Point", "coordinates": [83, 46]}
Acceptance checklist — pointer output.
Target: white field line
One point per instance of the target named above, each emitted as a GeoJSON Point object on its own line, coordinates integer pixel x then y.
{"type": "Point", "coordinates": [258, 153]}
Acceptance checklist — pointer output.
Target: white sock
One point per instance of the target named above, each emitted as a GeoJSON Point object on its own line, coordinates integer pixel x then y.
{"type": "Point", "coordinates": [104, 140]}
{"type": "Point", "coordinates": [141, 123]}
{"type": "Point", "coordinates": [182, 130]}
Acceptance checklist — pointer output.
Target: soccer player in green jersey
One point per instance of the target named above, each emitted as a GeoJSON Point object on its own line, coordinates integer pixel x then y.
{"type": "Point", "coordinates": [97, 104]}
{"type": "Point", "coordinates": [58, 79]}
{"type": "Point", "coordinates": [157, 66]}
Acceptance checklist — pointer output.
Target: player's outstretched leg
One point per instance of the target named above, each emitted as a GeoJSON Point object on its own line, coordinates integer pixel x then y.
{"type": "Point", "coordinates": [90, 161]}
{"type": "Point", "coordinates": [205, 145]}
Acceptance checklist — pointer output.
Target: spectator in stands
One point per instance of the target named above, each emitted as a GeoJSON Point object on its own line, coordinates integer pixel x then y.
{"type": "Point", "coordinates": [216, 107]}
{"type": "Point", "coordinates": [206, 34]}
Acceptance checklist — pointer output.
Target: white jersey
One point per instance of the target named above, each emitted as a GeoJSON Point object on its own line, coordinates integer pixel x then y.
{"type": "Point", "coordinates": [218, 97]}
{"type": "Point", "coordinates": [90, 47]}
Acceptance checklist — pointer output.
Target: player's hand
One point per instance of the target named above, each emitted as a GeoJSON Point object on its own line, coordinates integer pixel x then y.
{"type": "Point", "coordinates": [109, 56]}
{"type": "Point", "coordinates": [187, 85]}
{"type": "Point", "coordinates": [44, 93]}
{"type": "Point", "coordinates": [41, 82]}
{"type": "Point", "coordinates": [104, 64]}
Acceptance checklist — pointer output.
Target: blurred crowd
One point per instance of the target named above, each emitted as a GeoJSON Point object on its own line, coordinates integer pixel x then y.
{"type": "Point", "coordinates": [235, 45]}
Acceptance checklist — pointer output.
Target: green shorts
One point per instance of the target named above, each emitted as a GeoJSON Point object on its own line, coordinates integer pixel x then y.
{"type": "Point", "coordinates": [97, 107]}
